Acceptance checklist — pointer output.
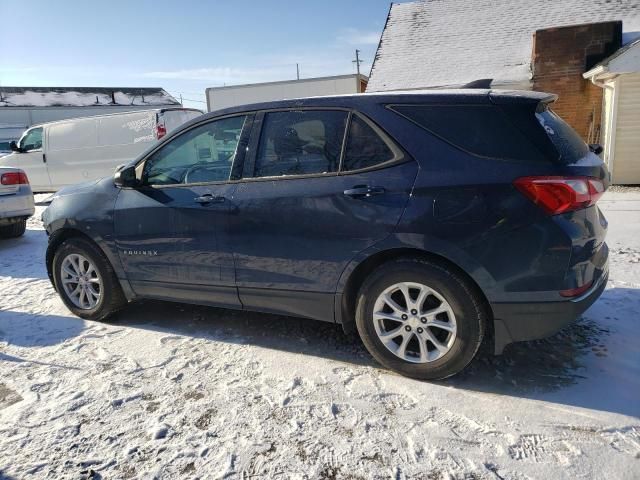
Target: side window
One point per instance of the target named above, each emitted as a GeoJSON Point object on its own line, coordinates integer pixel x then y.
{"type": "Point", "coordinates": [32, 140]}
{"type": "Point", "coordinates": [203, 154]}
{"type": "Point", "coordinates": [300, 142]}
{"type": "Point", "coordinates": [364, 147]}
{"type": "Point", "coordinates": [481, 130]}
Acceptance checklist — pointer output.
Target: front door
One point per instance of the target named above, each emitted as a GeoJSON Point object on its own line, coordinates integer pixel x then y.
{"type": "Point", "coordinates": [33, 160]}
{"type": "Point", "coordinates": [306, 208]}
{"type": "Point", "coordinates": [167, 230]}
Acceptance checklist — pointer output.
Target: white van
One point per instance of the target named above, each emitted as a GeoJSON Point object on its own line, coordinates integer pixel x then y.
{"type": "Point", "coordinates": [69, 151]}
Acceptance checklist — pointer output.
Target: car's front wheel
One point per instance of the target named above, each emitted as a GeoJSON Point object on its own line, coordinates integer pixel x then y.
{"type": "Point", "coordinates": [85, 280]}
{"type": "Point", "coordinates": [420, 318]}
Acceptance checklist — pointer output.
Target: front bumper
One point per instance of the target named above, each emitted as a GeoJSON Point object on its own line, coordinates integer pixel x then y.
{"type": "Point", "coordinates": [517, 322]}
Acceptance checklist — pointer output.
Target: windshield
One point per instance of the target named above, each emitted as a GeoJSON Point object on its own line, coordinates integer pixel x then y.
{"type": "Point", "coordinates": [569, 144]}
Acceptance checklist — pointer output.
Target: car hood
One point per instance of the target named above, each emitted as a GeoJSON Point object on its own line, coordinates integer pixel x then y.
{"type": "Point", "coordinates": [78, 188]}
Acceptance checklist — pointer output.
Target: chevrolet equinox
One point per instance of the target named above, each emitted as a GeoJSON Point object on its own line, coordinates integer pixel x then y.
{"type": "Point", "coordinates": [423, 220]}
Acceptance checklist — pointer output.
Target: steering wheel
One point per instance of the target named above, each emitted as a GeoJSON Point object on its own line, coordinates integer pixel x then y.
{"type": "Point", "coordinates": [202, 166]}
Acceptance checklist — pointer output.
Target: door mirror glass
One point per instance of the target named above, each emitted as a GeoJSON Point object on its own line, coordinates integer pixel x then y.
{"type": "Point", "coordinates": [201, 155]}
{"type": "Point", "coordinates": [125, 176]}
{"type": "Point", "coordinates": [14, 146]}
{"type": "Point", "coordinates": [300, 143]}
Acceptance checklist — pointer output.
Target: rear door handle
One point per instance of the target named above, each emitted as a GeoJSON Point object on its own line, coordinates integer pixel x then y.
{"type": "Point", "coordinates": [363, 191]}
{"type": "Point", "coordinates": [208, 198]}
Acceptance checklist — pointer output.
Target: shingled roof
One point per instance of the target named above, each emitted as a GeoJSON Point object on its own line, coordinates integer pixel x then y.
{"type": "Point", "coordinates": [440, 43]}
{"type": "Point", "coordinates": [83, 97]}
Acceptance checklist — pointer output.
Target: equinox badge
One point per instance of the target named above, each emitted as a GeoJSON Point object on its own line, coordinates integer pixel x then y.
{"type": "Point", "coordinates": [148, 253]}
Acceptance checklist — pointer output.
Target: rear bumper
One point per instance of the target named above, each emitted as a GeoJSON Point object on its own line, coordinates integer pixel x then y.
{"type": "Point", "coordinates": [16, 206]}
{"type": "Point", "coordinates": [516, 322]}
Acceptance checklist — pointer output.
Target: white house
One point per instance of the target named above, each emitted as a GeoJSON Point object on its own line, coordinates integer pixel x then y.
{"type": "Point", "coordinates": [619, 76]}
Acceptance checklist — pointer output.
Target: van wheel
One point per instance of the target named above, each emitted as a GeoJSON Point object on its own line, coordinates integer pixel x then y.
{"type": "Point", "coordinates": [420, 319]}
{"type": "Point", "coordinates": [86, 281]}
{"type": "Point", "coordinates": [14, 230]}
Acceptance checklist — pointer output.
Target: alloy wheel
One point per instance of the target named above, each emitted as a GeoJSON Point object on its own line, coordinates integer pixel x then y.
{"type": "Point", "coordinates": [81, 281]}
{"type": "Point", "coordinates": [414, 322]}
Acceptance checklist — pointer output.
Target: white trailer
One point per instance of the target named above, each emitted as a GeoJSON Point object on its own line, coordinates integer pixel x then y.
{"type": "Point", "coordinates": [219, 98]}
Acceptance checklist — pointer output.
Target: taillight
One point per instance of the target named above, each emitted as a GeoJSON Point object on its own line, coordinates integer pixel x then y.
{"type": "Point", "coordinates": [561, 194]}
{"type": "Point", "coordinates": [161, 130]}
{"type": "Point", "coordinates": [574, 292]}
{"type": "Point", "coordinates": [14, 178]}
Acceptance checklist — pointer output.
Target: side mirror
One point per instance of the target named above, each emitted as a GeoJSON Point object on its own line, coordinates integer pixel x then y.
{"type": "Point", "coordinates": [125, 177]}
{"type": "Point", "coordinates": [595, 148]}
{"type": "Point", "coordinates": [14, 147]}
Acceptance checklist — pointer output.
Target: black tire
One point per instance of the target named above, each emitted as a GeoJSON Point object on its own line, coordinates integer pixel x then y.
{"type": "Point", "coordinates": [467, 305]}
{"type": "Point", "coordinates": [14, 230]}
{"type": "Point", "coordinates": [111, 297]}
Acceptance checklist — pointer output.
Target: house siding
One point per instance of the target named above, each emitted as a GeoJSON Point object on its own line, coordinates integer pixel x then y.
{"type": "Point", "coordinates": [626, 162]}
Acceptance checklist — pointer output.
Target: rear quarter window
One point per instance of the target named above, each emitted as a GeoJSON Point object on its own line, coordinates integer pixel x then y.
{"type": "Point", "coordinates": [565, 139]}
{"type": "Point", "coordinates": [482, 130]}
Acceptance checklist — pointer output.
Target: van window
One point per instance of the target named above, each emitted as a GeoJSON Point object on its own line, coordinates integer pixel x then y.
{"type": "Point", "coordinates": [32, 140]}
{"type": "Point", "coordinates": [202, 154]}
{"type": "Point", "coordinates": [300, 142]}
{"type": "Point", "coordinates": [482, 130]}
{"type": "Point", "coordinates": [364, 147]}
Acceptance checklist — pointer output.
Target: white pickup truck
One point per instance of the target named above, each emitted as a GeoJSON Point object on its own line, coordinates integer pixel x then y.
{"type": "Point", "coordinates": [16, 202]}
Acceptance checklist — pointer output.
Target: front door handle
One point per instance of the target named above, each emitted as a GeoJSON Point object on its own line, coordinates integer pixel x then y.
{"type": "Point", "coordinates": [208, 198]}
{"type": "Point", "coordinates": [363, 191]}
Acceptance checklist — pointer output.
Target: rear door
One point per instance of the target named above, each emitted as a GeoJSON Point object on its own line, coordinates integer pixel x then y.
{"type": "Point", "coordinates": [313, 196]}
{"type": "Point", "coordinates": [172, 119]}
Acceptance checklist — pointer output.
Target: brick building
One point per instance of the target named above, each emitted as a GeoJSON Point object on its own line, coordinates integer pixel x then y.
{"type": "Point", "coordinates": [520, 44]}
{"type": "Point", "coordinates": [559, 58]}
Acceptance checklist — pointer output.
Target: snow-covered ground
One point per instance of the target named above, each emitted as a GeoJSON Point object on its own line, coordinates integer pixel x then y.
{"type": "Point", "coordinates": [174, 391]}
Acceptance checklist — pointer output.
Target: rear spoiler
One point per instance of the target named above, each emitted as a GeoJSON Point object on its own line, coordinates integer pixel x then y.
{"type": "Point", "coordinates": [510, 97]}
{"type": "Point", "coordinates": [483, 83]}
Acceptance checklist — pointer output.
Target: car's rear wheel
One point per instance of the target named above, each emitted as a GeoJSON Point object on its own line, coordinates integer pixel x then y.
{"type": "Point", "coordinates": [14, 230]}
{"type": "Point", "coordinates": [85, 280]}
{"type": "Point", "coordinates": [420, 318]}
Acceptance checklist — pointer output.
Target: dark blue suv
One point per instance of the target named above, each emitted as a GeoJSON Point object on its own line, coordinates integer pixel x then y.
{"type": "Point", "coordinates": [424, 220]}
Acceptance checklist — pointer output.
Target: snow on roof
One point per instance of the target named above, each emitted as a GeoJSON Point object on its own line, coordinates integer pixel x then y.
{"type": "Point", "coordinates": [83, 97]}
{"type": "Point", "coordinates": [436, 43]}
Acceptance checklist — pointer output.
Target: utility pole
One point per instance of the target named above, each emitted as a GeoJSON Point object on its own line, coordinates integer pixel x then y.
{"type": "Point", "coordinates": [298, 71]}
{"type": "Point", "coordinates": [181, 100]}
{"type": "Point", "coordinates": [357, 61]}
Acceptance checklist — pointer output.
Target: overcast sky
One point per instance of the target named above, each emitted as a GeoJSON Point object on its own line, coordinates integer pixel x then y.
{"type": "Point", "coordinates": [183, 46]}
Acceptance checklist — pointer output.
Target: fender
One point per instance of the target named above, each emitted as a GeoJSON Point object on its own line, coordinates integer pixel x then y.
{"type": "Point", "coordinates": [429, 245]}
